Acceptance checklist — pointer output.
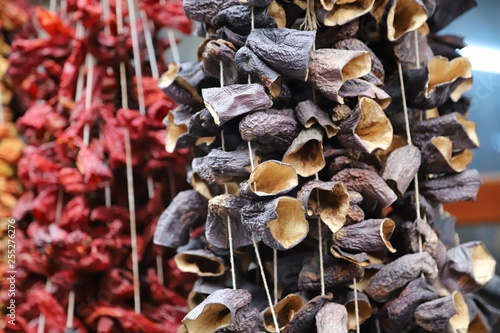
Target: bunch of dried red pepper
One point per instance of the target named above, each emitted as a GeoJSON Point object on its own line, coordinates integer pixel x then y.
{"type": "Point", "coordinates": [73, 233]}
{"type": "Point", "coordinates": [332, 132]}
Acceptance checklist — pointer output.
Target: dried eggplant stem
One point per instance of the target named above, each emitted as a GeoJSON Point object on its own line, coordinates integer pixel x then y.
{"type": "Point", "coordinates": [304, 320]}
{"type": "Point", "coordinates": [401, 168]}
{"type": "Point", "coordinates": [367, 236]}
{"type": "Point", "coordinates": [200, 262]}
{"type": "Point", "coordinates": [305, 153]}
{"type": "Point", "coordinates": [468, 267]}
{"type": "Point", "coordinates": [334, 200]}
{"type": "Point", "coordinates": [445, 314]}
{"type": "Point", "coordinates": [226, 103]}
{"type": "Point", "coordinates": [438, 156]}
{"type": "Point", "coordinates": [273, 178]}
{"type": "Point", "coordinates": [332, 318]}
{"type": "Point", "coordinates": [285, 311]}
{"type": "Point", "coordinates": [399, 272]}
{"type": "Point", "coordinates": [330, 68]}
{"type": "Point", "coordinates": [308, 113]}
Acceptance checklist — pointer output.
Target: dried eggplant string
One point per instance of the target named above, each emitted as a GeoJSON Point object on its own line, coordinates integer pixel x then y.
{"type": "Point", "coordinates": [129, 170]}
{"type": "Point", "coordinates": [356, 305]}
{"type": "Point", "coordinates": [53, 6]}
{"type": "Point", "coordinates": [2, 114]}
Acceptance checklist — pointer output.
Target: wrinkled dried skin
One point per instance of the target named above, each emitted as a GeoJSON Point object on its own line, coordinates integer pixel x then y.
{"type": "Point", "coordinates": [438, 157]}
{"type": "Point", "coordinates": [186, 211]}
{"type": "Point", "coordinates": [404, 50]}
{"type": "Point", "coordinates": [202, 124]}
{"type": "Point", "coordinates": [273, 128]}
{"type": "Point", "coordinates": [304, 319]}
{"type": "Point", "coordinates": [205, 10]}
{"type": "Point", "coordinates": [367, 128]}
{"type": "Point", "coordinates": [222, 166]}
{"type": "Point", "coordinates": [453, 188]}
{"type": "Point", "coordinates": [229, 102]}
{"type": "Point", "coordinates": [248, 62]}
{"type": "Point", "coordinates": [346, 11]}
{"type": "Point", "coordinates": [369, 184]}
{"type": "Point", "coordinates": [430, 240]}
{"type": "Point", "coordinates": [367, 236]}
{"type": "Point", "coordinates": [431, 86]}
{"type": "Point", "coordinates": [457, 128]}
{"type": "Point", "coordinates": [399, 272]}
{"type": "Point", "coordinates": [200, 262]}
{"type": "Point", "coordinates": [256, 3]}
{"type": "Point", "coordinates": [284, 310]}
{"type": "Point", "coordinates": [360, 88]}
{"type": "Point", "coordinates": [215, 52]}
{"type": "Point", "coordinates": [468, 267]}
{"type": "Point", "coordinates": [308, 113]}
{"type": "Point", "coordinates": [305, 153]}
{"type": "Point", "coordinates": [397, 313]}
{"type": "Point", "coordinates": [239, 19]}
{"type": "Point", "coordinates": [360, 258]}
{"type": "Point", "coordinates": [224, 209]}
{"type": "Point", "coordinates": [401, 167]}
{"type": "Point", "coordinates": [279, 223]}
{"type": "Point", "coordinates": [272, 178]}
{"type": "Point", "coordinates": [245, 321]}
{"type": "Point", "coordinates": [337, 272]}
{"type": "Point", "coordinates": [447, 11]}
{"type": "Point", "coordinates": [217, 311]}
{"type": "Point", "coordinates": [201, 290]}
{"type": "Point", "coordinates": [177, 130]}
{"type": "Point", "coordinates": [340, 163]}
{"type": "Point", "coordinates": [180, 82]}
{"type": "Point", "coordinates": [404, 16]}
{"type": "Point", "coordinates": [445, 314]}
{"type": "Point", "coordinates": [285, 50]}
{"type": "Point", "coordinates": [332, 318]}
{"type": "Point", "coordinates": [330, 68]}
{"type": "Point", "coordinates": [354, 215]}
{"type": "Point", "coordinates": [328, 200]}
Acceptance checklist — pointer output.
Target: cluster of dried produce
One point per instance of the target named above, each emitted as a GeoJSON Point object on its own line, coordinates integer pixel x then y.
{"type": "Point", "coordinates": [12, 17]}
{"type": "Point", "coordinates": [332, 132]}
{"type": "Point", "coordinates": [94, 170]}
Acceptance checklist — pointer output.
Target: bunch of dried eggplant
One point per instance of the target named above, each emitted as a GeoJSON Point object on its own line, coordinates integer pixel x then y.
{"type": "Point", "coordinates": [326, 137]}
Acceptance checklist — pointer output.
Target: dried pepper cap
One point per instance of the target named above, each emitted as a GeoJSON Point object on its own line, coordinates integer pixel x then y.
{"type": "Point", "coordinates": [367, 236]}
{"type": "Point", "coordinates": [328, 200]}
{"type": "Point", "coordinates": [230, 102]}
{"type": "Point", "coordinates": [285, 310]}
{"type": "Point", "coordinates": [305, 153]}
{"type": "Point", "coordinates": [445, 314]}
{"type": "Point", "coordinates": [285, 50]}
{"type": "Point", "coordinates": [200, 262]}
{"type": "Point", "coordinates": [332, 318]}
{"type": "Point", "coordinates": [225, 308]}
{"type": "Point", "coordinates": [330, 68]}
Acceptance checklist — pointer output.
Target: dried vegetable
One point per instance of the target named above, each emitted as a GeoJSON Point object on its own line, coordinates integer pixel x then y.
{"type": "Point", "coordinates": [94, 169]}
{"type": "Point", "coordinates": [326, 137]}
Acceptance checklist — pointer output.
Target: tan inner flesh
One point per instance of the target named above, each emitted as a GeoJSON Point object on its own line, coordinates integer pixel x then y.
{"type": "Point", "coordinates": [174, 131]}
{"type": "Point", "coordinates": [470, 128]}
{"type": "Point", "coordinates": [285, 311]}
{"type": "Point", "coordinates": [404, 16]}
{"type": "Point", "coordinates": [202, 266]}
{"type": "Point", "coordinates": [291, 225]}
{"type": "Point", "coordinates": [308, 159]}
{"type": "Point", "coordinates": [357, 67]}
{"type": "Point", "coordinates": [347, 10]}
{"type": "Point", "coordinates": [386, 229]}
{"type": "Point", "coordinates": [460, 321]}
{"type": "Point", "coordinates": [334, 206]}
{"type": "Point", "coordinates": [483, 265]}
{"type": "Point", "coordinates": [214, 316]}
{"type": "Point", "coordinates": [168, 77]}
{"type": "Point", "coordinates": [272, 177]}
{"type": "Point", "coordinates": [443, 71]}
{"type": "Point", "coordinates": [458, 162]}
{"type": "Point", "coordinates": [365, 312]}
{"type": "Point", "coordinates": [374, 128]}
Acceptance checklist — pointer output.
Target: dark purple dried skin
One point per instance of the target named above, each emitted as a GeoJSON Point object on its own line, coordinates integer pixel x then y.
{"type": "Point", "coordinates": [446, 45]}
{"type": "Point", "coordinates": [447, 11]}
{"type": "Point", "coordinates": [181, 116]}
{"type": "Point", "coordinates": [356, 88]}
{"type": "Point", "coordinates": [284, 50]}
{"type": "Point", "coordinates": [326, 36]}
{"type": "Point", "coordinates": [216, 51]}
{"type": "Point", "coordinates": [239, 19]}
{"type": "Point", "coordinates": [396, 314]}
{"type": "Point", "coordinates": [236, 39]}
{"type": "Point", "coordinates": [362, 237]}
{"type": "Point", "coordinates": [305, 319]}
{"type": "Point", "coordinates": [187, 211]}
{"type": "Point", "coordinates": [435, 315]}
{"type": "Point", "coordinates": [452, 188]}
{"type": "Point", "coordinates": [398, 273]}
{"type": "Point", "coordinates": [271, 128]}
{"type": "Point", "coordinates": [222, 166]}
{"type": "Point", "coordinates": [401, 167]}
{"type": "Point", "coordinates": [430, 241]}
{"type": "Point", "coordinates": [308, 113]}
{"type": "Point", "coordinates": [344, 162]}
{"type": "Point", "coordinates": [256, 3]}
{"type": "Point", "coordinates": [205, 10]}
{"type": "Point", "coordinates": [434, 162]}
{"type": "Point", "coordinates": [404, 50]}
{"type": "Point", "coordinates": [202, 124]}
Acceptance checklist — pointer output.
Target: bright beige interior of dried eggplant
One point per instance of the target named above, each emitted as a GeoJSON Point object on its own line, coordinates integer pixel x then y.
{"type": "Point", "coordinates": [327, 4]}
{"type": "Point", "coordinates": [333, 207]}
{"type": "Point", "coordinates": [291, 225]}
{"type": "Point", "coordinates": [364, 310]}
{"type": "Point", "coordinates": [460, 321]}
{"type": "Point", "coordinates": [442, 71]}
{"type": "Point", "coordinates": [273, 86]}
{"type": "Point", "coordinates": [307, 159]}
{"type": "Point", "coordinates": [374, 128]}
{"type": "Point", "coordinates": [458, 162]}
{"type": "Point", "coordinates": [199, 264]}
{"type": "Point", "coordinates": [285, 310]}
{"type": "Point", "coordinates": [386, 229]}
{"type": "Point", "coordinates": [345, 11]}
{"type": "Point", "coordinates": [483, 264]}
{"type": "Point", "coordinates": [213, 317]}
{"type": "Point", "coordinates": [470, 128]}
{"type": "Point", "coordinates": [357, 67]}
{"type": "Point", "coordinates": [174, 132]}
{"type": "Point", "coordinates": [404, 16]}
{"type": "Point", "coordinates": [273, 177]}
{"type": "Point", "coordinates": [195, 298]}
{"type": "Point", "coordinates": [276, 11]}
{"type": "Point", "coordinates": [167, 78]}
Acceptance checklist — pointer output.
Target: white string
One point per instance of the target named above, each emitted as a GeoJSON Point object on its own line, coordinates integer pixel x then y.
{"type": "Point", "coordinates": [52, 6]}
{"type": "Point", "coordinates": [320, 245]}
{"type": "Point", "coordinates": [150, 47]}
{"type": "Point", "coordinates": [275, 276]}
{"type": "Point", "coordinates": [2, 115]}
{"type": "Point", "coordinates": [64, 9]}
{"type": "Point", "coordinates": [88, 97]}
{"type": "Point", "coordinates": [356, 306]}
{"type": "Point", "coordinates": [41, 318]}
{"type": "Point", "coordinates": [173, 46]}
{"type": "Point", "coordinates": [71, 309]}
{"type": "Point", "coordinates": [137, 56]}
{"type": "Point", "coordinates": [105, 16]}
